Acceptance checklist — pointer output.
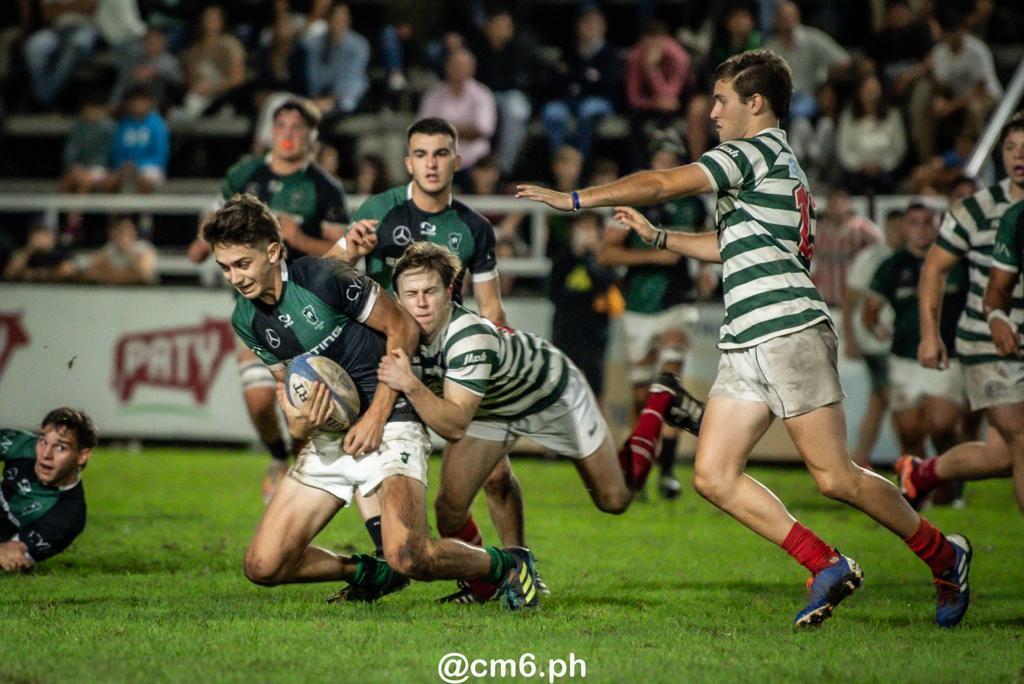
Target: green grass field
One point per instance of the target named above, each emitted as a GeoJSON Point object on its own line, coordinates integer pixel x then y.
{"type": "Point", "coordinates": [669, 592]}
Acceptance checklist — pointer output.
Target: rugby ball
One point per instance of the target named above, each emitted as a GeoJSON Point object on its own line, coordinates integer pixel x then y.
{"type": "Point", "coordinates": [304, 370]}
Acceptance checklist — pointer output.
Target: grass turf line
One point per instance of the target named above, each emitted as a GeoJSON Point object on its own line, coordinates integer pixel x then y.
{"type": "Point", "coordinates": [670, 591]}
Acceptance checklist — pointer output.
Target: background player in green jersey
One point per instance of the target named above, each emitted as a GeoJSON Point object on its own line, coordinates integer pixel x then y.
{"type": "Point", "coordinates": [42, 501]}
{"type": "Point", "coordinates": [321, 306]}
{"type": "Point", "coordinates": [310, 208]}
{"type": "Point", "coordinates": [994, 382]}
{"type": "Point", "coordinates": [926, 403]}
{"type": "Point", "coordinates": [424, 210]}
{"type": "Point", "coordinates": [779, 349]}
{"type": "Point", "coordinates": [659, 291]}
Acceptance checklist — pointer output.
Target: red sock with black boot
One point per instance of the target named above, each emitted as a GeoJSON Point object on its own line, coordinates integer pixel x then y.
{"type": "Point", "coordinates": [470, 534]}
{"type": "Point", "coordinates": [640, 451]}
{"type": "Point", "coordinates": [808, 550]}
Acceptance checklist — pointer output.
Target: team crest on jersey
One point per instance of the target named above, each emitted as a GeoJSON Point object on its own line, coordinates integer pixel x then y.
{"type": "Point", "coordinates": [454, 240]}
{"type": "Point", "coordinates": [428, 229]}
{"type": "Point", "coordinates": [273, 339]}
{"type": "Point", "coordinates": [402, 235]}
{"type": "Point", "coordinates": [275, 186]}
{"type": "Point", "coordinates": [310, 314]}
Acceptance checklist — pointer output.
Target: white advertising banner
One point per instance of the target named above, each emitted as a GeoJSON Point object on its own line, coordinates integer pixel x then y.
{"type": "Point", "coordinates": [149, 363]}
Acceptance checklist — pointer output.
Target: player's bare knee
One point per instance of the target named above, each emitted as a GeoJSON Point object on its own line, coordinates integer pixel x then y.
{"type": "Point", "coordinates": [411, 558]}
{"type": "Point", "coordinates": [500, 483]}
{"type": "Point", "coordinates": [262, 570]}
{"type": "Point", "coordinates": [712, 486]}
{"type": "Point", "coordinates": [613, 501]}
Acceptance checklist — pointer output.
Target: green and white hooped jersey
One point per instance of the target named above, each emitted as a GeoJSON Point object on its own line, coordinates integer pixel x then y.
{"type": "Point", "coordinates": [969, 229]}
{"type": "Point", "coordinates": [516, 373]}
{"type": "Point", "coordinates": [766, 221]}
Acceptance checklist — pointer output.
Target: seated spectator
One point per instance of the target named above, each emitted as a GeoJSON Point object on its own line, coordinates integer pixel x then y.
{"type": "Point", "coordinates": [871, 141]}
{"type": "Point", "coordinates": [336, 61]}
{"type": "Point", "coordinates": [41, 260]}
{"type": "Point", "coordinates": [88, 147]}
{"type": "Point", "coordinates": [282, 63]}
{"type": "Point", "coordinates": [812, 55]}
{"type": "Point", "coordinates": [658, 77]}
{"type": "Point", "coordinates": [965, 87]}
{"type": "Point", "coordinates": [141, 144]}
{"type": "Point", "coordinates": [122, 29]}
{"type": "Point", "coordinates": [815, 145]}
{"type": "Point", "coordinates": [156, 68]}
{"type": "Point", "coordinates": [603, 170]}
{"type": "Point", "coordinates": [44, 502]}
{"type": "Point", "coordinates": [328, 160]}
{"type": "Point", "coordinates": [735, 32]}
{"type": "Point", "coordinates": [468, 105]}
{"type": "Point", "coordinates": [125, 259]}
{"type": "Point", "coordinates": [372, 176]}
{"type": "Point", "coordinates": [584, 296]}
{"type": "Point", "coordinates": [935, 176]}
{"type": "Point", "coordinates": [67, 40]}
{"type": "Point", "coordinates": [214, 65]}
{"type": "Point", "coordinates": [508, 63]}
{"type": "Point", "coordinates": [590, 77]}
{"type": "Point", "coordinates": [900, 50]}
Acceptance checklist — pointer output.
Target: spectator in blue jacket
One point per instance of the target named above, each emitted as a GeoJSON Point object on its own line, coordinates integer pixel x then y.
{"type": "Point", "coordinates": [141, 144]}
{"type": "Point", "coordinates": [336, 61]}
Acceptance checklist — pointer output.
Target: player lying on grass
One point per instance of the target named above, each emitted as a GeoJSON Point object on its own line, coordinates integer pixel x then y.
{"type": "Point", "coordinates": [42, 502]}
{"type": "Point", "coordinates": [778, 342]}
{"type": "Point", "coordinates": [482, 387]}
{"type": "Point", "coordinates": [321, 306]}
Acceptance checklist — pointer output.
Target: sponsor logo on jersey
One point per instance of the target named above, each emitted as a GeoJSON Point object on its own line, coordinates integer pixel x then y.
{"type": "Point", "coordinates": [275, 186]}
{"type": "Point", "coordinates": [273, 339]}
{"type": "Point", "coordinates": [309, 313]}
{"type": "Point", "coordinates": [186, 359]}
{"type": "Point", "coordinates": [24, 486]}
{"type": "Point", "coordinates": [454, 240]}
{"type": "Point", "coordinates": [402, 235]}
{"type": "Point", "coordinates": [353, 292]}
{"type": "Point", "coordinates": [12, 336]}
{"type": "Point", "coordinates": [428, 229]}
{"type": "Point", "coordinates": [326, 342]}
{"type": "Point", "coordinates": [286, 320]}
{"type": "Point", "coordinates": [474, 358]}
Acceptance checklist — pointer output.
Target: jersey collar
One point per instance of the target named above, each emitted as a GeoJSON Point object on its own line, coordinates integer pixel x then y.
{"type": "Point", "coordinates": [269, 156]}
{"type": "Point", "coordinates": [408, 194]}
{"type": "Point", "coordinates": [284, 271]}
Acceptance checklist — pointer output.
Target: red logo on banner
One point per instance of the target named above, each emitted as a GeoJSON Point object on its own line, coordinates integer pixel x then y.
{"type": "Point", "coordinates": [177, 358]}
{"type": "Point", "coordinates": [12, 336]}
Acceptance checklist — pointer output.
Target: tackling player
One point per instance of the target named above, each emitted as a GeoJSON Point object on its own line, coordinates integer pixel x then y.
{"type": "Point", "coordinates": [42, 501]}
{"type": "Point", "coordinates": [424, 210]}
{"type": "Point", "coordinates": [310, 208]}
{"type": "Point", "coordinates": [482, 387]}
{"type": "Point", "coordinates": [779, 346]}
{"type": "Point", "coordinates": [323, 307]}
{"type": "Point", "coordinates": [993, 373]}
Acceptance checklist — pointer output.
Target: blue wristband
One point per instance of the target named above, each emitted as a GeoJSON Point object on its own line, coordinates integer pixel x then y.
{"type": "Point", "coordinates": [575, 201]}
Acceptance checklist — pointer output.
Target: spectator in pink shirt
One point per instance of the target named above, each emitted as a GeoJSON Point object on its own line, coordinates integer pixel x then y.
{"type": "Point", "coordinates": [840, 236]}
{"type": "Point", "coordinates": [658, 77]}
{"type": "Point", "coordinates": [467, 104]}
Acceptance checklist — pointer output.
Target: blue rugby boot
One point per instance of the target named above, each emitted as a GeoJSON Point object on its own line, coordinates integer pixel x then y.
{"type": "Point", "coordinates": [953, 593]}
{"type": "Point", "coordinates": [827, 589]}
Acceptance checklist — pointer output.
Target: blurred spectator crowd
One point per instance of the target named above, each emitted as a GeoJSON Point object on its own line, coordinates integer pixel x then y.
{"type": "Point", "coordinates": [890, 95]}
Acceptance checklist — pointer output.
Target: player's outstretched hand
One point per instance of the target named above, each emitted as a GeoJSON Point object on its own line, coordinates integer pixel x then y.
{"type": "Point", "coordinates": [931, 353]}
{"type": "Point", "coordinates": [554, 199]}
{"type": "Point", "coordinates": [13, 558]}
{"type": "Point", "coordinates": [1006, 337]}
{"type": "Point", "coordinates": [361, 238]}
{"type": "Point", "coordinates": [395, 371]}
{"type": "Point", "coordinates": [635, 221]}
{"type": "Point", "coordinates": [313, 413]}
